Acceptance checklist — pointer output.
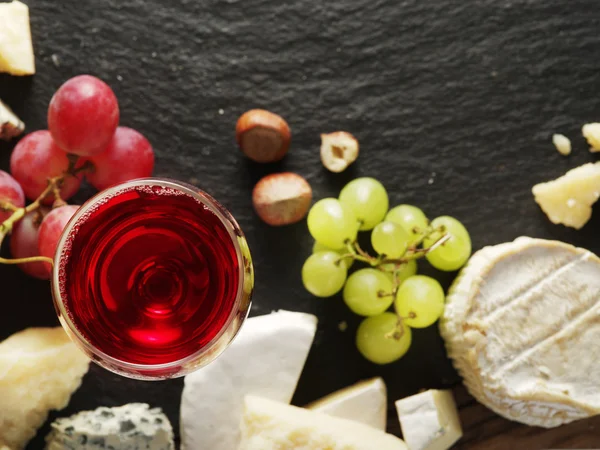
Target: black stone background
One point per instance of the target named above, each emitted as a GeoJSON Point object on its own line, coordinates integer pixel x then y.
{"type": "Point", "coordinates": [454, 104]}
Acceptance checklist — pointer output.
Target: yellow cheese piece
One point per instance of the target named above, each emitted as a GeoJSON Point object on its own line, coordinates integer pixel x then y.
{"type": "Point", "coordinates": [16, 48]}
{"type": "Point", "coordinates": [39, 370]}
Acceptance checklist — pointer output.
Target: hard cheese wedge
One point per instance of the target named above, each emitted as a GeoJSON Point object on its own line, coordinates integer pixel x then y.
{"type": "Point", "coordinates": [16, 49]}
{"type": "Point", "coordinates": [269, 425]}
{"type": "Point", "coordinates": [429, 420]}
{"type": "Point", "coordinates": [265, 359]}
{"type": "Point", "coordinates": [521, 326]}
{"type": "Point", "coordinates": [39, 370]}
{"type": "Point", "coordinates": [364, 402]}
{"type": "Point", "coordinates": [129, 427]}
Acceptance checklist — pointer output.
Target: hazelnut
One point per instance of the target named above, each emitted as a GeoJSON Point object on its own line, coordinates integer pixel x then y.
{"type": "Point", "coordinates": [262, 135]}
{"type": "Point", "coordinates": [282, 198]}
{"type": "Point", "coordinates": [338, 150]}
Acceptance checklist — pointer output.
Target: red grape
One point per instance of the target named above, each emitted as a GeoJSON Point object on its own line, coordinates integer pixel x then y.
{"type": "Point", "coordinates": [35, 159]}
{"type": "Point", "coordinates": [83, 115]}
{"type": "Point", "coordinates": [24, 243]}
{"type": "Point", "coordinates": [10, 191]}
{"type": "Point", "coordinates": [128, 156]}
{"type": "Point", "coordinates": [52, 227]}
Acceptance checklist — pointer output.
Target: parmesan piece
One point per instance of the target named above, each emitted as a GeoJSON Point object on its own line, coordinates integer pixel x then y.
{"type": "Point", "coordinates": [591, 131]}
{"type": "Point", "coordinates": [562, 144]}
{"type": "Point", "coordinates": [39, 370]}
{"type": "Point", "coordinates": [521, 326]}
{"type": "Point", "coordinates": [16, 48]}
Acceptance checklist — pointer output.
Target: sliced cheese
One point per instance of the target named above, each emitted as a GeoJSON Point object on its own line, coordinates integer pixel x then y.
{"type": "Point", "coordinates": [521, 326]}
{"type": "Point", "coordinates": [364, 402]}
{"type": "Point", "coordinates": [129, 427]}
{"type": "Point", "coordinates": [10, 125]}
{"type": "Point", "coordinates": [568, 200]}
{"type": "Point", "coordinates": [429, 420]}
{"type": "Point", "coordinates": [269, 425]}
{"type": "Point", "coordinates": [39, 370]}
{"type": "Point", "coordinates": [16, 48]}
{"type": "Point", "coordinates": [265, 359]}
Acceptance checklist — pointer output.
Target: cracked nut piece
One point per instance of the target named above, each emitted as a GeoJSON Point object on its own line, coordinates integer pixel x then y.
{"type": "Point", "coordinates": [263, 136]}
{"type": "Point", "coordinates": [282, 198]}
{"type": "Point", "coordinates": [10, 125]}
{"type": "Point", "coordinates": [338, 150]}
{"type": "Point", "coordinates": [591, 131]}
{"type": "Point", "coordinates": [568, 200]}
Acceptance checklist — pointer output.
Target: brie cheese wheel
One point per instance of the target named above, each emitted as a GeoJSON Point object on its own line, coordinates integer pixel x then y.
{"type": "Point", "coordinates": [16, 49]}
{"type": "Point", "coordinates": [522, 327]}
{"type": "Point", "coordinates": [265, 359]}
{"type": "Point", "coordinates": [269, 425]}
{"type": "Point", "coordinates": [364, 402]}
{"type": "Point", "coordinates": [429, 420]}
{"type": "Point", "coordinates": [39, 370]}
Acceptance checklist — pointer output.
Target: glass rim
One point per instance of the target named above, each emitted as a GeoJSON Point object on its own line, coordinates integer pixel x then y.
{"type": "Point", "coordinates": [125, 368]}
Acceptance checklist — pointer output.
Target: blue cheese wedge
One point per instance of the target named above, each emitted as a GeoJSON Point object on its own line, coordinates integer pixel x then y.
{"type": "Point", "coordinates": [265, 359]}
{"type": "Point", "coordinates": [39, 370]}
{"type": "Point", "coordinates": [364, 402]}
{"type": "Point", "coordinates": [521, 326]}
{"type": "Point", "coordinates": [429, 420]}
{"type": "Point", "coordinates": [129, 427]}
{"type": "Point", "coordinates": [269, 425]}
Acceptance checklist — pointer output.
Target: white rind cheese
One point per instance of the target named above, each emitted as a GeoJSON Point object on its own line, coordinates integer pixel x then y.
{"type": "Point", "coordinates": [269, 425]}
{"type": "Point", "coordinates": [521, 326]}
{"type": "Point", "coordinates": [129, 427]}
{"type": "Point", "coordinates": [16, 49]}
{"type": "Point", "coordinates": [429, 420]}
{"type": "Point", "coordinates": [265, 359]}
{"type": "Point", "coordinates": [364, 402]}
{"type": "Point", "coordinates": [39, 370]}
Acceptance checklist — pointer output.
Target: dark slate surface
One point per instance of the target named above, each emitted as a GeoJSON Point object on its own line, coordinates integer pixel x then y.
{"type": "Point", "coordinates": [454, 104]}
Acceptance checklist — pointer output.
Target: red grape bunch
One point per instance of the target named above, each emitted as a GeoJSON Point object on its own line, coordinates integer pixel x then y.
{"type": "Point", "coordinates": [83, 139]}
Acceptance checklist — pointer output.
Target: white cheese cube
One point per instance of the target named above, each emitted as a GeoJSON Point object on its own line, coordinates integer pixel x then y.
{"type": "Point", "coordinates": [265, 359]}
{"type": "Point", "coordinates": [364, 402]}
{"type": "Point", "coordinates": [429, 420]}
{"type": "Point", "coordinates": [16, 48]}
{"type": "Point", "coordinates": [129, 427]}
{"type": "Point", "coordinates": [39, 370]}
{"type": "Point", "coordinates": [269, 425]}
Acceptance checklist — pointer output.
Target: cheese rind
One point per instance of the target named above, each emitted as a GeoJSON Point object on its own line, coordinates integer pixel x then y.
{"type": "Point", "coordinates": [364, 402]}
{"type": "Point", "coordinates": [265, 359]}
{"type": "Point", "coordinates": [429, 420]}
{"type": "Point", "coordinates": [16, 48]}
{"type": "Point", "coordinates": [39, 370]}
{"type": "Point", "coordinates": [521, 326]}
{"type": "Point", "coordinates": [129, 427]}
{"type": "Point", "coordinates": [269, 425]}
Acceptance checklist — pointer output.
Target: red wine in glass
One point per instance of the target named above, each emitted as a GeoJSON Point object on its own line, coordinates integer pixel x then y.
{"type": "Point", "coordinates": [152, 278]}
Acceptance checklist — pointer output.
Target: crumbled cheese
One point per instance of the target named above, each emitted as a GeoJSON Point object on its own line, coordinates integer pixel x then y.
{"type": "Point", "coordinates": [562, 144]}
{"type": "Point", "coordinates": [591, 131]}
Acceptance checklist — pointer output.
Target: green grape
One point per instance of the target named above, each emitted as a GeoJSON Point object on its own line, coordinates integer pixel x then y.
{"type": "Point", "coordinates": [330, 223]}
{"type": "Point", "coordinates": [381, 339]}
{"type": "Point", "coordinates": [317, 247]}
{"type": "Point", "coordinates": [389, 239]}
{"type": "Point", "coordinates": [411, 218]}
{"type": "Point", "coordinates": [455, 252]}
{"type": "Point", "coordinates": [420, 301]}
{"type": "Point", "coordinates": [368, 292]}
{"type": "Point", "coordinates": [407, 270]}
{"type": "Point", "coordinates": [322, 275]}
{"type": "Point", "coordinates": [368, 199]}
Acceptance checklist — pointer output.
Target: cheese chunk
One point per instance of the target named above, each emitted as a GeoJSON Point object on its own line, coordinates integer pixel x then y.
{"type": "Point", "coordinates": [39, 370]}
{"type": "Point", "coordinates": [129, 427]}
{"type": "Point", "coordinates": [10, 125]}
{"type": "Point", "coordinates": [429, 420]}
{"type": "Point", "coordinates": [269, 425]}
{"type": "Point", "coordinates": [562, 144]}
{"type": "Point", "coordinates": [265, 359]}
{"type": "Point", "coordinates": [568, 200]}
{"type": "Point", "coordinates": [521, 326]}
{"type": "Point", "coordinates": [591, 131]}
{"type": "Point", "coordinates": [364, 402]}
{"type": "Point", "coordinates": [16, 48]}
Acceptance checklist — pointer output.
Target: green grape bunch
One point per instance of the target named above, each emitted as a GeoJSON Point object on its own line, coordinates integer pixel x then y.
{"type": "Point", "coordinates": [399, 236]}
